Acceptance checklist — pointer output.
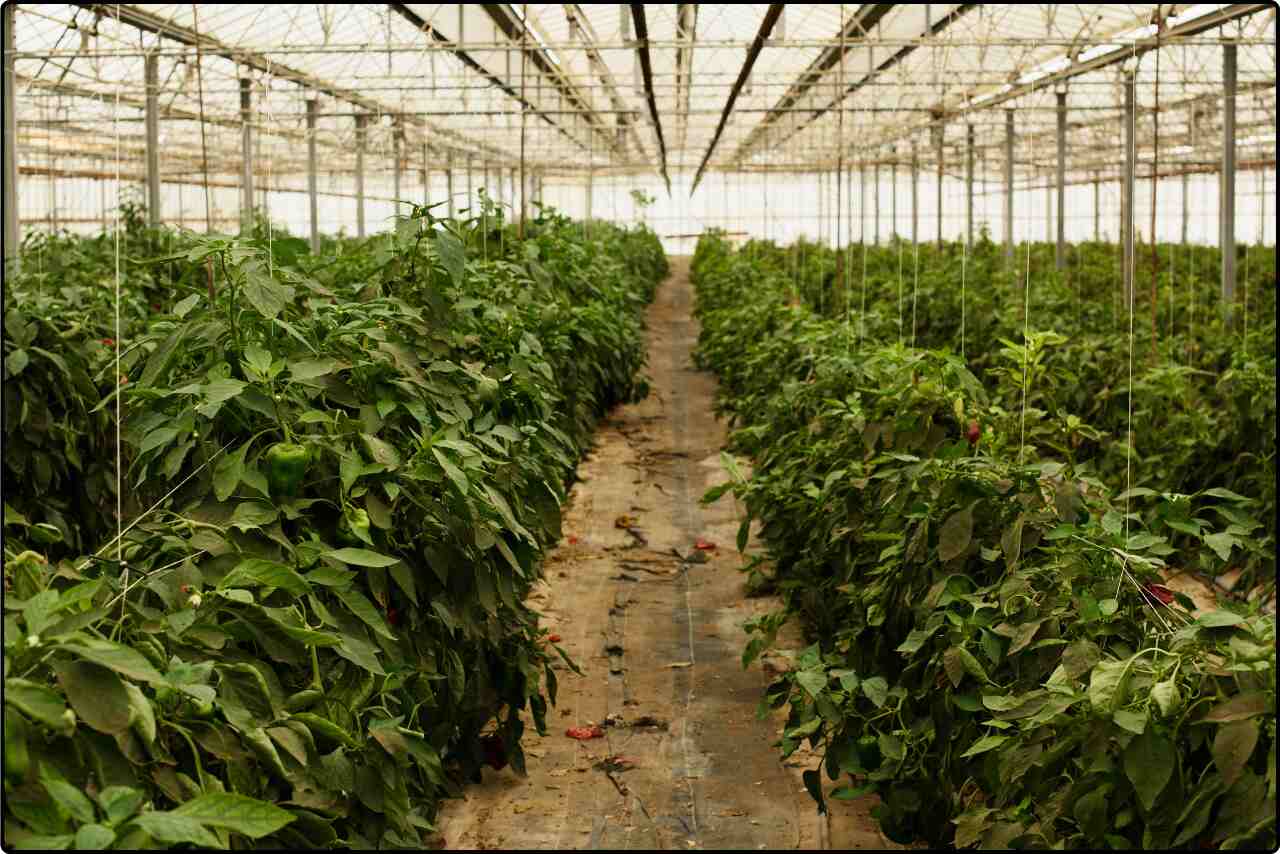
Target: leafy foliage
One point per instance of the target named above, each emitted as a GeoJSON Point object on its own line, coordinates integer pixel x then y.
{"type": "Point", "coordinates": [339, 475]}
{"type": "Point", "coordinates": [993, 652]}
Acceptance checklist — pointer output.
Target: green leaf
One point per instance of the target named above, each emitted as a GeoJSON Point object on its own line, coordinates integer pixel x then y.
{"type": "Point", "coordinates": [39, 702]}
{"type": "Point", "coordinates": [265, 294]}
{"type": "Point", "coordinates": [1148, 763]}
{"type": "Point", "coordinates": [144, 717]}
{"type": "Point", "coordinates": [982, 745]}
{"type": "Point", "coordinates": [69, 799]}
{"type": "Point", "coordinates": [237, 813]}
{"type": "Point", "coordinates": [94, 837]}
{"type": "Point", "coordinates": [956, 533]}
{"type": "Point", "coordinates": [813, 681]}
{"type": "Point", "coordinates": [364, 609]}
{"type": "Point", "coordinates": [1167, 697]}
{"type": "Point", "coordinates": [97, 695]}
{"type": "Point", "coordinates": [1238, 708]}
{"type": "Point", "coordinates": [168, 827]}
{"type": "Point", "coordinates": [227, 473]}
{"type": "Point", "coordinates": [184, 306]}
{"type": "Point", "coordinates": [453, 255]}
{"type": "Point", "coordinates": [361, 557]}
{"type": "Point", "coordinates": [120, 802]}
{"type": "Point", "coordinates": [17, 362]}
{"type": "Point", "coordinates": [249, 515]}
{"type": "Point", "coordinates": [1091, 812]}
{"type": "Point", "coordinates": [1107, 685]}
{"type": "Point", "coordinates": [216, 393]}
{"type": "Point", "coordinates": [1219, 619]}
{"type": "Point", "coordinates": [876, 690]}
{"type": "Point", "coordinates": [1221, 492]}
{"type": "Point", "coordinates": [120, 658]}
{"type": "Point", "coordinates": [1221, 544]}
{"type": "Point", "coordinates": [256, 572]}
{"type": "Point", "coordinates": [381, 452]}
{"type": "Point", "coordinates": [1135, 722]}
{"type": "Point", "coordinates": [1232, 748]}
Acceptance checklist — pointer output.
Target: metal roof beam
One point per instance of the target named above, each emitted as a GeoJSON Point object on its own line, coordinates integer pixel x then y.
{"type": "Point", "coordinates": [150, 22]}
{"type": "Point", "coordinates": [1166, 38]}
{"type": "Point", "coordinates": [766, 27]}
{"type": "Point", "coordinates": [646, 71]}
{"type": "Point", "coordinates": [591, 48]}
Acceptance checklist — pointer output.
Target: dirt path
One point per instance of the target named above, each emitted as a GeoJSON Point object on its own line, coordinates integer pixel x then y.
{"type": "Point", "coordinates": [684, 762]}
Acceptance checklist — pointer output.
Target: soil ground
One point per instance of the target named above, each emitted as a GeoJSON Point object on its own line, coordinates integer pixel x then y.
{"type": "Point", "coordinates": [656, 626]}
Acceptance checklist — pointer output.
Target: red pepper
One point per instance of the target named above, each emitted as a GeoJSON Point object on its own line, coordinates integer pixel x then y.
{"type": "Point", "coordinates": [110, 342]}
{"type": "Point", "coordinates": [975, 433]}
{"type": "Point", "coordinates": [393, 616]}
{"type": "Point", "coordinates": [582, 733]}
{"type": "Point", "coordinates": [553, 638]}
{"type": "Point", "coordinates": [1164, 594]}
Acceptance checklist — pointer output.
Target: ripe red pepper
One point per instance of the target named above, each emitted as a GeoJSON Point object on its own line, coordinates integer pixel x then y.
{"type": "Point", "coordinates": [1159, 591]}
{"type": "Point", "coordinates": [393, 616]}
{"type": "Point", "coordinates": [974, 434]}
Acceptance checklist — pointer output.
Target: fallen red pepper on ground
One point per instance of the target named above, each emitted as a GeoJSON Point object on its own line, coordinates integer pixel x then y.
{"type": "Point", "coordinates": [553, 638]}
{"type": "Point", "coordinates": [1164, 594]}
{"type": "Point", "coordinates": [582, 733]}
{"type": "Point", "coordinates": [704, 545]}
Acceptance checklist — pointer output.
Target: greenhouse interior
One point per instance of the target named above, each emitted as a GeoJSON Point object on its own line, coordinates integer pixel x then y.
{"type": "Point", "coordinates": [756, 426]}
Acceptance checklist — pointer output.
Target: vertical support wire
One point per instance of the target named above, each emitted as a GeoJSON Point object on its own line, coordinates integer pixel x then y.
{"type": "Point", "coordinates": [842, 250]}
{"type": "Point", "coordinates": [115, 127]}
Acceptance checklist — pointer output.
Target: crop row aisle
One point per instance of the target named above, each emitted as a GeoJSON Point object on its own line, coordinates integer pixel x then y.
{"type": "Point", "coordinates": [995, 648]}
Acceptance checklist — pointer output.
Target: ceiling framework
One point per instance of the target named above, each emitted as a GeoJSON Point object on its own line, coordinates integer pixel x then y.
{"type": "Point", "coordinates": [665, 89]}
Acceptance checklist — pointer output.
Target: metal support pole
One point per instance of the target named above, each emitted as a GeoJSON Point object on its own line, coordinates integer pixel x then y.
{"type": "Point", "coordinates": [1185, 208]}
{"type": "Point", "coordinates": [395, 152]}
{"type": "Point", "coordinates": [915, 195]}
{"type": "Point", "coordinates": [246, 157]}
{"type": "Point", "coordinates": [12, 234]}
{"type": "Point", "coordinates": [360, 123]}
{"type": "Point", "coordinates": [448, 181]}
{"type": "Point", "coordinates": [968, 187]}
{"type": "Point", "coordinates": [1008, 186]}
{"type": "Point", "coordinates": [1126, 195]}
{"type": "Point", "coordinates": [312, 177]}
{"type": "Point", "coordinates": [151, 69]}
{"type": "Point", "coordinates": [517, 196]}
{"type": "Point", "coordinates": [470, 189]}
{"type": "Point", "coordinates": [1227, 240]}
{"type": "Point", "coordinates": [1048, 211]}
{"type": "Point", "coordinates": [1060, 257]}
{"type": "Point", "coordinates": [893, 192]}
{"type": "Point", "coordinates": [1097, 209]}
{"type": "Point", "coordinates": [876, 199]}
{"type": "Point", "coordinates": [938, 190]}
{"type": "Point", "coordinates": [590, 192]}
{"type": "Point", "coordinates": [426, 176]}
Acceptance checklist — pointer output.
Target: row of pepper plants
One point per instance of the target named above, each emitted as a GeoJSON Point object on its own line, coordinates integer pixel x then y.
{"type": "Point", "coordinates": [1204, 393]}
{"type": "Point", "coordinates": [992, 650]}
{"type": "Point", "coordinates": [337, 476]}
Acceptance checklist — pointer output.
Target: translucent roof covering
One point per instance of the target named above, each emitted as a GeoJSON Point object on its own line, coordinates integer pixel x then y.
{"type": "Point", "coordinates": [567, 89]}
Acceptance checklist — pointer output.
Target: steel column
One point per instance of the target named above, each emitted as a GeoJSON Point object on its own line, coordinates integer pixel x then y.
{"type": "Point", "coordinates": [968, 186]}
{"type": "Point", "coordinates": [448, 181]}
{"type": "Point", "coordinates": [395, 152]}
{"type": "Point", "coordinates": [938, 189]}
{"type": "Point", "coordinates": [360, 133]}
{"type": "Point", "coordinates": [470, 188]}
{"type": "Point", "coordinates": [876, 200]}
{"type": "Point", "coordinates": [1097, 209]}
{"type": "Point", "coordinates": [1185, 209]}
{"type": "Point", "coordinates": [915, 195]}
{"type": "Point", "coordinates": [1126, 194]}
{"type": "Point", "coordinates": [151, 70]}
{"type": "Point", "coordinates": [1227, 240]}
{"type": "Point", "coordinates": [12, 234]}
{"type": "Point", "coordinates": [312, 178]}
{"type": "Point", "coordinates": [1008, 186]}
{"type": "Point", "coordinates": [246, 156]}
{"type": "Point", "coordinates": [893, 191]}
{"type": "Point", "coordinates": [1060, 257]}
{"type": "Point", "coordinates": [590, 192]}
